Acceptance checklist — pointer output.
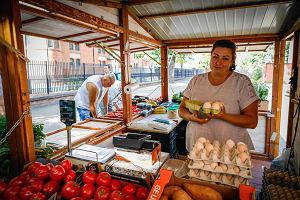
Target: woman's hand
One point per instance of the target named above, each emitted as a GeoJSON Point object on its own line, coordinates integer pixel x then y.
{"type": "Point", "coordinates": [201, 120]}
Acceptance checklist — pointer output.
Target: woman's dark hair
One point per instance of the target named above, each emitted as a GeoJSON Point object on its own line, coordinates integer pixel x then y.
{"type": "Point", "coordinates": [227, 44]}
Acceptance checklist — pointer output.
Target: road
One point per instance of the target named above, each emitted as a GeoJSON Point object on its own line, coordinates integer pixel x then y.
{"type": "Point", "coordinates": [48, 113]}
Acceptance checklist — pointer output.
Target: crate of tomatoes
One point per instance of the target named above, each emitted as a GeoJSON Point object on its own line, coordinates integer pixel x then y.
{"type": "Point", "coordinates": [54, 182]}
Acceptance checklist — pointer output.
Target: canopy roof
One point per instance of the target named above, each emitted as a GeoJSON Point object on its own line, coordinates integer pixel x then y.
{"type": "Point", "coordinates": [184, 26]}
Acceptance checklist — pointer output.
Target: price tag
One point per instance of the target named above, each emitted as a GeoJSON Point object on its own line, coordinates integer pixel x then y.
{"type": "Point", "coordinates": [67, 112]}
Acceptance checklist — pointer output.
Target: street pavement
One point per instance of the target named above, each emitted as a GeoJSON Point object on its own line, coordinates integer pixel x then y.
{"type": "Point", "coordinates": [48, 112]}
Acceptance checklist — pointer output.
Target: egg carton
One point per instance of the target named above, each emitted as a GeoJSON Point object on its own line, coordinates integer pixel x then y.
{"type": "Point", "coordinates": [215, 152]}
{"type": "Point", "coordinates": [220, 168]}
{"type": "Point", "coordinates": [224, 179]}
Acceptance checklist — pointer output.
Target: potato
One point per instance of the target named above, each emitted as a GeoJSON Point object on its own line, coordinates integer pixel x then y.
{"type": "Point", "coordinates": [181, 195]}
{"type": "Point", "coordinates": [200, 192]}
{"type": "Point", "coordinates": [164, 197]}
{"type": "Point", "coordinates": [169, 191]}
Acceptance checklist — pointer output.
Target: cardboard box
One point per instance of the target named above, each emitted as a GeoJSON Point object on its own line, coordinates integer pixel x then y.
{"type": "Point", "coordinates": [167, 178]}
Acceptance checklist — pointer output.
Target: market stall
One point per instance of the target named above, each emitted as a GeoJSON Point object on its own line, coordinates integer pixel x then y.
{"type": "Point", "coordinates": [213, 170]}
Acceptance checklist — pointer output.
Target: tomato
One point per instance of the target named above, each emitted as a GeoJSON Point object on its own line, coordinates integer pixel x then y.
{"type": "Point", "coordinates": [116, 195]}
{"type": "Point", "coordinates": [17, 181]}
{"type": "Point", "coordinates": [102, 193]}
{"type": "Point", "coordinates": [25, 175]}
{"type": "Point", "coordinates": [33, 167]}
{"type": "Point", "coordinates": [50, 165]}
{"type": "Point", "coordinates": [77, 198]}
{"type": "Point", "coordinates": [37, 184]}
{"type": "Point", "coordinates": [104, 179]}
{"type": "Point", "coordinates": [57, 173]}
{"type": "Point", "coordinates": [26, 192]}
{"type": "Point", "coordinates": [38, 196]}
{"type": "Point", "coordinates": [129, 189]}
{"type": "Point", "coordinates": [87, 191]}
{"type": "Point", "coordinates": [3, 187]}
{"type": "Point", "coordinates": [142, 193]}
{"type": "Point", "coordinates": [66, 164]}
{"type": "Point", "coordinates": [115, 185]}
{"type": "Point", "coordinates": [89, 177]}
{"type": "Point", "coordinates": [70, 189]}
{"type": "Point", "coordinates": [130, 197]}
{"type": "Point", "coordinates": [42, 172]}
{"type": "Point", "coordinates": [70, 176]}
{"type": "Point", "coordinates": [12, 191]}
{"type": "Point", "coordinates": [50, 188]}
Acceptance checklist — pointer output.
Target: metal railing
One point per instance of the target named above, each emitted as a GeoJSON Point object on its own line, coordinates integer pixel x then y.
{"type": "Point", "coordinates": [46, 77]}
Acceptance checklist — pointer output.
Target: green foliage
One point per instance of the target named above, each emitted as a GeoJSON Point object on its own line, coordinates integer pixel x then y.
{"type": "Point", "coordinates": [204, 61]}
{"type": "Point", "coordinates": [3, 126]}
{"type": "Point", "coordinates": [38, 132]}
{"type": "Point", "coordinates": [262, 90]}
{"type": "Point", "coordinates": [177, 97]}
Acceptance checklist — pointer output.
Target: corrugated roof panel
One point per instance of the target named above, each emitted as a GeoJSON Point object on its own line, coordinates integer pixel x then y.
{"type": "Point", "coordinates": [279, 18]}
{"type": "Point", "coordinates": [25, 16]}
{"type": "Point", "coordinates": [87, 37]}
{"type": "Point", "coordinates": [229, 22]}
{"type": "Point", "coordinates": [134, 26]}
{"type": "Point", "coordinates": [108, 14]}
{"type": "Point", "coordinates": [269, 17]}
{"type": "Point", "coordinates": [52, 28]}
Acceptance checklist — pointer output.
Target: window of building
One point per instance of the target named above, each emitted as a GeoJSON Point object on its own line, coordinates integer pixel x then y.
{"type": "Point", "coordinates": [77, 62]}
{"type": "Point", "coordinates": [50, 43]}
{"type": "Point", "coordinates": [103, 63]}
{"type": "Point", "coordinates": [71, 46]}
{"type": "Point", "coordinates": [76, 47]}
{"type": "Point", "coordinates": [56, 44]}
{"type": "Point", "coordinates": [103, 51]}
{"type": "Point", "coordinates": [72, 62]}
{"type": "Point", "coordinates": [99, 50]}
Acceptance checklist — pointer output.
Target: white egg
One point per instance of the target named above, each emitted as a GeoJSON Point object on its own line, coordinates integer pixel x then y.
{"type": "Point", "coordinates": [243, 156]}
{"type": "Point", "coordinates": [216, 108]}
{"type": "Point", "coordinates": [224, 167]}
{"type": "Point", "coordinates": [209, 147]}
{"type": "Point", "coordinates": [216, 143]}
{"type": "Point", "coordinates": [201, 140]}
{"type": "Point", "coordinates": [230, 144]}
{"type": "Point", "coordinates": [236, 169]}
{"type": "Point", "coordinates": [242, 147]}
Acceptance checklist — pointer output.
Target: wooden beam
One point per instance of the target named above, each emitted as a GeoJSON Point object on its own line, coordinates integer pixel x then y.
{"type": "Point", "coordinates": [292, 91]}
{"type": "Point", "coordinates": [164, 73]}
{"type": "Point", "coordinates": [139, 50]}
{"type": "Point", "coordinates": [104, 3]}
{"type": "Point", "coordinates": [106, 41]}
{"type": "Point", "coordinates": [15, 88]}
{"type": "Point", "coordinates": [125, 66]}
{"type": "Point", "coordinates": [71, 21]}
{"type": "Point", "coordinates": [275, 87]}
{"type": "Point", "coordinates": [210, 46]}
{"type": "Point", "coordinates": [144, 39]}
{"type": "Point", "coordinates": [211, 40]}
{"type": "Point", "coordinates": [94, 39]}
{"type": "Point", "coordinates": [290, 20]}
{"type": "Point", "coordinates": [32, 20]}
{"type": "Point", "coordinates": [142, 24]}
{"type": "Point", "coordinates": [76, 14]}
{"type": "Point", "coordinates": [75, 35]}
{"type": "Point", "coordinates": [44, 36]}
{"type": "Point", "coordinates": [216, 8]}
{"type": "Point", "coordinates": [140, 2]}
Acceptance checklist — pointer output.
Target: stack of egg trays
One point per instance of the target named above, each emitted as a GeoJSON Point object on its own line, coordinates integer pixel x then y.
{"type": "Point", "coordinates": [280, 185]}
{"type": "Point", "coordinates": [217, 174]}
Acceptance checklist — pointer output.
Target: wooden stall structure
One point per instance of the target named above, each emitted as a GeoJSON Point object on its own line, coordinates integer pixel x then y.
{"type": "Point", "coordinates": [131, 26]}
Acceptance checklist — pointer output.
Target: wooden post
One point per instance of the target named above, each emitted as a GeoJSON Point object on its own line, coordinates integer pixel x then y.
{"type": "Point", "coordinates": [292, 93]}
{"type": "Point", "coordinates": [279, 95]}
{"type": "Point", "coordinates": [15, 87]}
{"type": "Point", "coordinates": [125, 64]}
{"type": "Point", "coordinates": [276, 99]}
{"type": "Point", "coordinates": [164, 72]}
